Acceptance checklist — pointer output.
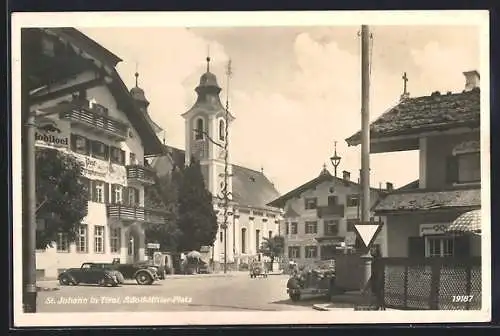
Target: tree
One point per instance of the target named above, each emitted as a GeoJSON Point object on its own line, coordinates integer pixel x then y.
{"type": "Point", "coordinates": [197, 218]}
{"type": "Point", "coordinates": [273, 247]}
{"type": "Point", "coordinates": [61, 195]}
{"type": "Point", "coordinates": [164, 195]}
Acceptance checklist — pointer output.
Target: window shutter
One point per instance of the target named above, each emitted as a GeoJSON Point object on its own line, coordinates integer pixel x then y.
{"type": "Point", "coordinates": [451, 169]}
{"type": "Point", "coordinates": [94, 191]}
{"type": "Point", "coordinates": [106, 193]}
{"type": "Point", "coordinates": [106, 152]}
{"type": "Point", "coordinates": [113, 194]}
{"type": "Point", "coordinates": [122, 157]}
{"type": "Point", "coordinates": [416, 247]}
{"type": "Point", "coordinates": [73, 142]}
{"type": "Point", "coordinates": [461, 248]}
{"type": "Point", "coordinates": [125, 197]}
{"type": "Point", "coordinates": [137, 197]}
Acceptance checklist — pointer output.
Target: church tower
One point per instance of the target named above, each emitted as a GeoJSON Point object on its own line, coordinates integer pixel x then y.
{"type": "Point", "coordinates": [205, 126]}
{"type": "Point", "coordinates": [142, 104]}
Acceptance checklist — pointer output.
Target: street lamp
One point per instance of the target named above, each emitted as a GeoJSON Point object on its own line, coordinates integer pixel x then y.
{"type": "Point", "coordinates": [335, 159]}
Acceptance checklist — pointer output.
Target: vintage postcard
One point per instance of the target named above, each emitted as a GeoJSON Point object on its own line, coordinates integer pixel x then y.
{"type": "Point", "coordinates": [250, 168]}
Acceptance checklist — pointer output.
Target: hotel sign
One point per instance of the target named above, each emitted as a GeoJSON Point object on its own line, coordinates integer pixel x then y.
{"type": "Point", "coordinates": [52, 133]}
{"type": "Point", "coordinates": [102, 170]}
{"type": "Point", "coordinates": [433, 229]}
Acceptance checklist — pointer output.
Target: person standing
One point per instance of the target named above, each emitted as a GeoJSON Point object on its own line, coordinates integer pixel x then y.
{"type": "Point", "coordinates": [377, 279]}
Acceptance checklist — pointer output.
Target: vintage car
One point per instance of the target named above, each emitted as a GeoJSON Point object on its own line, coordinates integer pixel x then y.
{"type": "Point", "coordinates": [317, 281]}
{"type": "Point", "coordinates": [258, 269]}
{"type": "Point", "coordinates": [90, 273]}
{"type": "Point", "coordinates": [141, 272]}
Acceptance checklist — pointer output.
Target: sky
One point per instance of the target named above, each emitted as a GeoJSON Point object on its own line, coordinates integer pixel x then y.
{"type": "Point", "coordinates": [294, 90]}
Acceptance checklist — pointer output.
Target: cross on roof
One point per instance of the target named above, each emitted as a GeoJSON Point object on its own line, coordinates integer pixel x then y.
{"type": "Point", "coordinates": [405, 81]}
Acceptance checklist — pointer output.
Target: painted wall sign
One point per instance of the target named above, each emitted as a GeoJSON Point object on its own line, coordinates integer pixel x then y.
{"type": "Point", "coordinates": [52, 133]}
{"type": "Point", "coordinates": [103, 170]}
{"type": "Point", "coordinates": [433, 229]}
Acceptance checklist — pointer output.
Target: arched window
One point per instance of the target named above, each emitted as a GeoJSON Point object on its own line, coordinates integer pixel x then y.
{"type": "Point", "coordinates": [199, 129]}
{"type": "Point", "coordinates": [222, 130]}
{"type": "Point", "coordinates": [243, 240]}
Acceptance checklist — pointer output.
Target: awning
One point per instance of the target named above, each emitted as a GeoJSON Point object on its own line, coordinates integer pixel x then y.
{"type": "Point", "coordinates": [469, 222]}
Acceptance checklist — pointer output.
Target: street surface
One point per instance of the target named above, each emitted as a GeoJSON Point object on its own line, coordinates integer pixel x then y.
{"type": "Point", "coordinates": [232, 292]}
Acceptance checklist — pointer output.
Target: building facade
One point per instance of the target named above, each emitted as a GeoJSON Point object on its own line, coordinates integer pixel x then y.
{"type": "Point", "coordinates": [100, 125]}
{"type": "Point", "coordinates": [319, 217]}
{"type": "Point", "coordinates": [250, 218]}
{"type": "Point", "coordinates": [444, 128]}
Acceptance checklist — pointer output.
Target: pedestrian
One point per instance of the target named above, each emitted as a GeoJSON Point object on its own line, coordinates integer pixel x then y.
{"type": "Point", "coordinates": [377, 279]}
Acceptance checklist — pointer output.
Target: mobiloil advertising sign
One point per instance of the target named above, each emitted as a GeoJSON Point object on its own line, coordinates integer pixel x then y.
{"type": "Point", "coordinates": [52, 133]}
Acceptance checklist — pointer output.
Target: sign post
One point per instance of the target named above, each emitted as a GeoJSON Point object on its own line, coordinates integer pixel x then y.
{"type": "Point", "coordinates": [367, 232]}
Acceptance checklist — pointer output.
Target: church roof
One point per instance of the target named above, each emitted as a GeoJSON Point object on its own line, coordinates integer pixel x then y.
{"type": "Point", "coordinates": [427, 113]}
{"type": "Point", "coordinates": [250, 187]}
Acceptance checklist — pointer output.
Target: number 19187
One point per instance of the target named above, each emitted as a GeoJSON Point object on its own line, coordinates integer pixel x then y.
{"type": "Point", "coordinates": [462, 298]}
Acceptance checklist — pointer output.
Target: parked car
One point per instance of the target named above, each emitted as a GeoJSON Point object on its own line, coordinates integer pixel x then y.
{"type": "Point", "coordinates": [258, 269]}
{"type": "Point", "coordinates": [317, 281]}
{"type": "Point", "coordinates": [90, 273]}
{"type": "Point", "coordinates": [141, 272]}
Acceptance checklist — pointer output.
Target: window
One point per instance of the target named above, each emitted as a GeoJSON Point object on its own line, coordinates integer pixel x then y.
{"type": "Point", "coordinates": [132, 159]}
{"type": "Point", "coordinates": [311, 227]}
{"type": "Point", "coordinates": [243, 240]}
{"type": "Point", "coordinates": [81, 242]}
{"type": "Point", "coordinates": [352, 200]}
{"type": "Point", "coordinates": [100, 150]}
{"type": "Point", "coordinates": [311, 203]}
{"type": "Point", "coordinates": [117, 155]}
{"type": "Point", "coordinates": [332, 200]}
{"type": "Point", "coordinates": [294, 228]}
{"type": "Point", "coordinates": [287, 228]}
{"type": "Point", "coordinates": [351, 223]}
{"type": "Point", "coordinates": [80, 144]}
{"type": "Point", "coordinates": [116, 194]}
{"type": "Point", "coordinates": [464, 168]}
{"type": "Point", "coordinates": [62, 242]}
{"type": "Point", "coordinates": [294, 252]}
{"type": "Point", "coordinates": [86, 182]}
{"type": "Point", "coordinates": [221, 236]}
{"type": "Point", "coordinates": [199, 129]}
{"type": "Point", "coordinates": [331, 227]}
{"type": "Point", "coordinates": [133, 196]}
{"type": "Point", "coordinates": [439, 247]}
{"type": "Point", "coordinates": [222, 130]}
{"type": "Point", "coordinates": [99, 239]}
{"type": "Point", "coordinates": [257, 241]}
{"type": "Point", "coordinates": [270, 234]}
{"type": "Point", "coordinates": [311, 251]}
{"type": "Point", "coordinates": [100, 192]}
{"type": "Point", "coordinates": [115, 235]}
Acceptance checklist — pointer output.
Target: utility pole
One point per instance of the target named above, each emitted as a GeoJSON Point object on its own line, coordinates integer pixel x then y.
{"type": "Point", "coordinates": [365, 143]}
{"type": "Point", "coordinates": [29, 186]}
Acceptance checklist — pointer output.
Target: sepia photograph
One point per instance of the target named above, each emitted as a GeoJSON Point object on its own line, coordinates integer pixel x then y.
{"type": "Point", "coordinates": [250, 168]}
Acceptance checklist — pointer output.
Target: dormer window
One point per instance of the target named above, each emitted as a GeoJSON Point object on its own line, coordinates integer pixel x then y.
{"type": "Point", "coordinates": [464, 165]}
{"type": "Point", "coordinates": [199, 129]}
{"type": "Point", "coordinates": [222, 130]}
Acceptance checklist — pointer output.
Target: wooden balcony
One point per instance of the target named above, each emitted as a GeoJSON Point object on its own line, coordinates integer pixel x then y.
{"type": "Point", "coordinates": [96, 122]}
{"type": "Point", "coordinates": [129, 213]}
{"type": "Point", "coordinates": [140, 174]}
{"type": "Point", "coordinates": [337, 210]}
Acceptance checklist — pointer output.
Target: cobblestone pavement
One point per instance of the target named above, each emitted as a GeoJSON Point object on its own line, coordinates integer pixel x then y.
{"type": "Point", "coordinates": [234, 292]}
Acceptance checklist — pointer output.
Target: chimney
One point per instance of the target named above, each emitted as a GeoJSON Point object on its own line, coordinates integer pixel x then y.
{"type": "Point", "coordinates": [471, 80]}
{"type": "Point", "coordinates": [346, 175]}
{"type": "Point", "coordinates": [389, 186]}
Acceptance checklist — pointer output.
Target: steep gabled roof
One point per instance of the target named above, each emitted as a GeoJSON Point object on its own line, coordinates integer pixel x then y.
{"type": "Point", "coordinates": [250, 187]}
{"type": "Point", "coordinates": [428, 113]}
{"type": "Point", "coordinates": [323, 177]}
{"type": "Point", "coordinates": [150, 141]}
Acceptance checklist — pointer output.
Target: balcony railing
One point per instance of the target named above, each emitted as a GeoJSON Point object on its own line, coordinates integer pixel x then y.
{"type": "Point", "coordinates": [331, 210]}
{"type": "Point", "coordinates": [141, 174]}
{"type": "Point", "coordinates": [141, 214]}
{"type": "Point", "coordinates": [97, 122]}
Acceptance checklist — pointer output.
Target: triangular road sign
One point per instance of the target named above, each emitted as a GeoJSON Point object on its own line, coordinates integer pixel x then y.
{"type": "Point", "coordinates": [367, 232]}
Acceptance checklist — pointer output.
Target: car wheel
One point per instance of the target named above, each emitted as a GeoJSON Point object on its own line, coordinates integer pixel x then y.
{"type": "Point", "coordinates": [143, 278]}
{"type": "Point", "coordinates": [295, 297]}
{"type": "Point", "coordinates": [65, 280]}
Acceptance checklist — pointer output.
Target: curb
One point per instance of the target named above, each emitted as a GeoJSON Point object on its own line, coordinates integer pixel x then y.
{"type": "Point", "coordinates": [46, 289]}
{"type": "Point", "coordinates": [321, 307]}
